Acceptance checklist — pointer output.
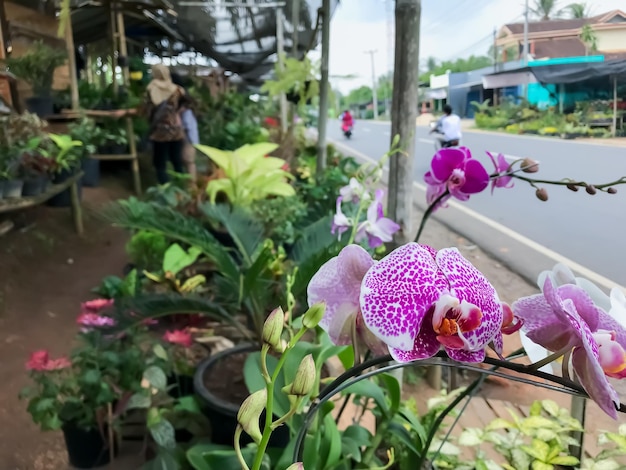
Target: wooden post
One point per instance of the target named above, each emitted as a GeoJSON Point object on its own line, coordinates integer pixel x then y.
{"type": "Point", "coordinates": [123, 47]}
{"type": "Point", "coordinates": [71, 61]}
{"type": "Point", "coordinates": [280, 51]}
{"type": "Point", "coordinates": [323, 110]}
{"type": "Point", "coordinates": [77, 213]}
{"type": "Point", "coordinates": [403, 116]}
{"type": "Point", "coordinates": [113, 47]}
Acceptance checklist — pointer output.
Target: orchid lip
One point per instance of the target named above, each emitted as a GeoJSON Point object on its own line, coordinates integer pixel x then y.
{"type": "Point", "coordinates": [452, 318]}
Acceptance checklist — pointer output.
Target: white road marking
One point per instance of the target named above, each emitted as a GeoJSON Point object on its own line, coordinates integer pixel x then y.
{"type": "Point", "coordinates": [556, 257]}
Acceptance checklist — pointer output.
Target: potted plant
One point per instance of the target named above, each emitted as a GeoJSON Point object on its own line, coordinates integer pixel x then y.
{"type": "Point", "coordinates": [10, 184]}
{"type": "Point", "coordinates": [36, 168]}
{"type": "Point", "coordinates": [37, 67]}
{"type": "Point", "coordinates": [86, 131]}
{"type": "Point", "coordinates": [66, 153]}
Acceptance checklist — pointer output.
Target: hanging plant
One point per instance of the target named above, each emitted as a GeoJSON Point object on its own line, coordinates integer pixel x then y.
{"type": "Point", "coordinates": [297, 79]}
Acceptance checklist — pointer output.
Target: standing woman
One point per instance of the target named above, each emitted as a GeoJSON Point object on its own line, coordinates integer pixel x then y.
{"type": "Point", "coordinates": [162, 109]}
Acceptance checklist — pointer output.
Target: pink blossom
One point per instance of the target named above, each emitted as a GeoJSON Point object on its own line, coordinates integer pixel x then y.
{"type": "Point", "coordinates": [378, 228]}
{"type": "Point", "coordinates": [341, 223]}
{"type": "Point", "coordinates": [94, 320]}
{"type": "Point", "coordinates": [502, 167]}
{"type": "Point", "coordinates": [181, 337]}
{"type": "Point", "coordinates": [454, 170]}
{"type": "Point", "coordinates": [96, 305]}
{"type": "Point", "coordinates": [40, 361]}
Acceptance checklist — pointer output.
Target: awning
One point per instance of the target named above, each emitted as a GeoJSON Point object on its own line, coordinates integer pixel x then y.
{"type": "Point", "coordinates": [574, 73]}
{"type": "Point", "coordinates": [467, 85]}
{"type": "Point", "coordinates": [438, 94]}
{"type": "Point", "coordinates": [508, 79]}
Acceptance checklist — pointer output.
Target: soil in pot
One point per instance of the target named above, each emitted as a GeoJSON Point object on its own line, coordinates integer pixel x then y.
{"type": "Point", "coordinates": [13, 189]}
{"type": "Point", "coordinates": [224, 390]}
{"type": "Point", "coordinates": [86, 448]}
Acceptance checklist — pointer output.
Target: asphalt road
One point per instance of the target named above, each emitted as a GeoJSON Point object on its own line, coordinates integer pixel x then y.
{"type": "Point", "coordinates": [589, 230]}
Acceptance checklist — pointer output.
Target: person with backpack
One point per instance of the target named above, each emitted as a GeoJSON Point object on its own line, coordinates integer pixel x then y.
{"type": "Point", "coordinates": [162, 107]}
{"type": "Point", "coordinates": [190, 125]}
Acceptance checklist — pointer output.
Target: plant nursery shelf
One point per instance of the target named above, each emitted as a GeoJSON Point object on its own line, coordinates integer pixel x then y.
{"type": "Point", "coordinates": [10, 205]}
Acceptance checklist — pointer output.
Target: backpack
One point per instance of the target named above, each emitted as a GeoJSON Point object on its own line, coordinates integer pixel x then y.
{"type": "Point", "coordinates": [166, 123]}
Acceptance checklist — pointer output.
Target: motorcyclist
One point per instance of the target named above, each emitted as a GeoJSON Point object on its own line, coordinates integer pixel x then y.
{"type": "Point", "coordinates": [347, 120]}
{"type": "Point", "coordinates": [449, 126]}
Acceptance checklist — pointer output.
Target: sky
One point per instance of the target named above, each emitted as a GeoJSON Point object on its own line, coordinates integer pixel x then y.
{"type": "Point", "coordinates": [450, 29]}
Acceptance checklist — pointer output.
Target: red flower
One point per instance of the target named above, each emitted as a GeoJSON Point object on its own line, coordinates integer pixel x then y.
{"type": "Point", "coordinates": [96, 305]}
{"type": "Point", "coordinates": [271, 122]}
{"type": "Point", "coordinates": [182, 337]}
{"type": "Point", "coordinates": [38, 360]}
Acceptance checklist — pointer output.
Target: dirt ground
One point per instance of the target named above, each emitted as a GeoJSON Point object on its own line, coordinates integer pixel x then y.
{"type": "Point", "coordinates": [46, 270]}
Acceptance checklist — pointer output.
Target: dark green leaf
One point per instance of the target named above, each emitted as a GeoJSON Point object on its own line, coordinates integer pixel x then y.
{"type": "Point", "coordinates": [163, 434]}
{"type": "Point", "coordinates": [394, 393]}
{"type": "Point", "coordinates": [156, 377]}
{"type": "Point", "coordinates": [368, 389]}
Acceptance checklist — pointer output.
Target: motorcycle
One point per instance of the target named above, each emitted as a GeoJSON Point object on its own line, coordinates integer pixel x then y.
{"type": "Point", "coordinates": [347, 130]}
{"type": "Point", "coordinates": [439, 143]}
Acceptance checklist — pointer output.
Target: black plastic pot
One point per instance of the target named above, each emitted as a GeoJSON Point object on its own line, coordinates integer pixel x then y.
{"type": "Point", "coordinates": [42, 106]}
{"type": "Point", "coordinates": [91, 168]}
{"type": "Point", "coordinates": [222, 414]}
{"type": "Point", "coordinates": [13, 189]}
{"type": "Point", "coordinates": [182, 385]}
{"type": "Point", "coordinates": [34, 186]}
{"type": "Point", "coordinates": [64, 198]}
{"type": "Point", "coordinates": [86, 448]}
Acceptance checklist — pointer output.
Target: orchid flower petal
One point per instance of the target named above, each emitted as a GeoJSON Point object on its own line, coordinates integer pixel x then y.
{"type": "Point", "coordinates": [398, 291]}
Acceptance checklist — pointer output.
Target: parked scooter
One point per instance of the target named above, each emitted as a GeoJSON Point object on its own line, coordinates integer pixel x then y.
{"type": "Point", "coordinates": [439, 143]}
{"type": "Point", "coordinates": [347, 130]}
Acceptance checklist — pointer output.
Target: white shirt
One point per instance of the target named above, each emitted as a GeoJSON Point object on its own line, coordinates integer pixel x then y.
{"type": "Point", "coordinates": [450, 127]}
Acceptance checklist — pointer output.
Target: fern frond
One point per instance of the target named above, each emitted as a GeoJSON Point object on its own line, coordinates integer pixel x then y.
{"type": "Point", "coordinates": [136, 215]}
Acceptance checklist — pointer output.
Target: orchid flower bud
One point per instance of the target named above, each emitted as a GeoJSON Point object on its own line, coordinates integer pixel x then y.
{"type": "Point", "coordinates": [305, 377]}
{"type": "Point", "coordinates": [314, 315]}
{"type": "Point", "coordinates": [591, 189]}
{"type": "Point", "coordinates": [250, 413]}
{"type": "Point", "coordinates": [529, 166]}
{"type": "Point", "coordinates": [296, 466]}
{"type": "Point", "coordinates": [273, 328]}
{"type": "Point", "coordinates": [542, 194]}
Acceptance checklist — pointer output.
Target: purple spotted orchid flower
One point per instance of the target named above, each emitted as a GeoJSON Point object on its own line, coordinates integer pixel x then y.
{"type": "Point", "coordinates": [377, 228]}
{"type": "Point", "coordinates": [566, 318]}
{"type": "Point", "coordinates": [338, 284]}
{"type": "Point", "coordinates": [455, 170]}
{"type": "Point", "coordinates": [502, 168]}
{"type": "Point", "coordinates": [417, 300]}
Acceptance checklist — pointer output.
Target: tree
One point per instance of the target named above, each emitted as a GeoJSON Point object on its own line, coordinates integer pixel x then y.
{"type": "Point", "coordinates": [589, 39]}
{"type": "Point", "coordinates": [458, 65]}
{"type": "Point", "coordinates": [579, 10]}
{"type": "Point", "coordinates": [545, 9]}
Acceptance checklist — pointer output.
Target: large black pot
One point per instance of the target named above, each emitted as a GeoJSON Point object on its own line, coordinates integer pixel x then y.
{"type": "Point", "coordinates": [86, 448]}
{"type": "Point", "coordinates": [64, 198]}
{"type": "Point", "coordinates": [42, 106]}
{"type": "Point", "coordinates": [223, 415]}
{"type": "Point", "coordinates": [91, 168]}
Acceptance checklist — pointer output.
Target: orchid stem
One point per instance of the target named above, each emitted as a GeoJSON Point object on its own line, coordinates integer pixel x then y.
{"type": "Point", "coordinates": [428, 213]}
{"type": "Point", "coordinates": [551, 358]}
{"type": "Point", "coordinates": [242, 461]}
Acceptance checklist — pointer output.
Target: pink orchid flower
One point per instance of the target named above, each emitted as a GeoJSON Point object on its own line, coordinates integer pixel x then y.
{"type": "Point", "coordinates": [338, 284]}
{"type": "Point", "coordinates": [341, 223]}
{"type": "Point", "coordinates": [455, 170]}
{"type": "Point", "coordinates": [180, 337]}
{"type": "Point", "coordinates": [40, 361]}
{"type": "Point", "coordinates": [566, 317]}
{"type": "Point", "coordinates": [417, 300]}
{"type": "Point", "coordinates": [502, 167]}
{"type": "Point", "coordinates": [354, 191]}
{"type": "Point", "coordinates": [90, 320]}
{"type": "Point", "coordinates": [377, 228]}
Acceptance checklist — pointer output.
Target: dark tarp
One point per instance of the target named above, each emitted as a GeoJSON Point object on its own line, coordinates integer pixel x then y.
{"type": "Point", "coordinates": [574, 73]}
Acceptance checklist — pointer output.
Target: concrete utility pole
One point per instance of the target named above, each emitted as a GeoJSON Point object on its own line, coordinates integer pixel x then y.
{"type": "Point", "coordinates": [323, 111]}
{"type": "Point", "coordinates": [374, 92]}
{"type": "Point", "coordinates": [280, 52]}
{"type": "Point", "coordinates": [403, 115]}
{"type": "Point", "coordinates": [525, 50]}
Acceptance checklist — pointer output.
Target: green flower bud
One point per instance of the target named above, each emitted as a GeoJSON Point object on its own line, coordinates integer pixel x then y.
{"type": "Point", "coordinates": [305, 377]}
{"type": "Point", "coordinates": [273, 328]}
{"type": "Point", "coordinates": [296, 466]}
{"type": "Point", "coordinates": [314, 315]}
{"type": "Point", "coordinates": [250, 413]}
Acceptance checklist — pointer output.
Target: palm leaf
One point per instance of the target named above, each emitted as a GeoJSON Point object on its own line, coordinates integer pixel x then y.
{"type": "Point", "coordinates": [314, 239]}
{"type": "Point", "coordinates": [147, 306]}
{"type": "Point", "coordinates": [136, 215]}
{"type": "Point", "coordinates": [245, 230]}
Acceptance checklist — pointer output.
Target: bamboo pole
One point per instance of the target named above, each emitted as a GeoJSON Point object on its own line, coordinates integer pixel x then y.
{"type": "Point", "coordinates": [614, 105]}
{"type": "Point", "coordinates": [280, 51]}
{"type": "Point", "coordinates": [113, 47]}
{"type": "Point", "coordinates": [323, 110]}
{"type": "Point", "coordinates": [123, 47]}
{"type": "Point", "coordinates": [71, 56]}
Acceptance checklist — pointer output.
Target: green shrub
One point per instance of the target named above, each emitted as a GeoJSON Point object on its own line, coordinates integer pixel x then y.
{"type": "Point", "coordinates": [146, 249]}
